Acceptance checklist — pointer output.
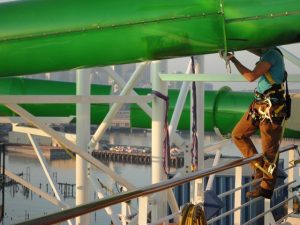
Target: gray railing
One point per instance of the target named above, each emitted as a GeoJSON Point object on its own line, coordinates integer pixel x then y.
{"type": "Point", "coordinates": [143, 191]}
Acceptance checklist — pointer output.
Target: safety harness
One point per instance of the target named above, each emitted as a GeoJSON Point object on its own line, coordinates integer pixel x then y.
{"type": "Point", "coordinates": [272, 107]}
{"type": "Point", "coordinates": [272, 101]}
{"type": "Point", "coordinates": [275, 108]}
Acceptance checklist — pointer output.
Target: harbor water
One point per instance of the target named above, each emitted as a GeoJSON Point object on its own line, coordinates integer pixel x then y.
{"type": "Point", "coordinates": [21, 204]}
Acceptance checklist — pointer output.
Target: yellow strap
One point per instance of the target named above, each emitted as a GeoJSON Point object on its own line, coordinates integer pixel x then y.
{"type": "Point", "coordinates": [296, 161]}
{"type": "Point", "coordinates": [269, 78]}
{"type": "Point", "coordinates": [263, 170]}
{"type": "Point", "coordinates": [279, 108]}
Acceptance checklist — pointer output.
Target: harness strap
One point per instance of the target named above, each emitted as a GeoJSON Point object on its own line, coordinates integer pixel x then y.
{"type": "Point", "coordinates": [268, 76]}
{"type": "Point", "coordinates": [263, 170]}
{"type": "Point", "coordinates": [271, 166]}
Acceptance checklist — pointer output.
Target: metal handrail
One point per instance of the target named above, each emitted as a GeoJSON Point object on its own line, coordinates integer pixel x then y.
{"type": "Point", "coordinates": [268, 211]}
{"type": "Point", "coordinates": [287, 148]}
{"type": "Point", "coordinates": [245, 204]}
{"type": "Point", "coordinates": [143, 191]}
{"type": "Point", "coordinates": [128, 195]}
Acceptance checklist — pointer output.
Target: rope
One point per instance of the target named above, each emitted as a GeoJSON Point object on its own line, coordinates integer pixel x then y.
{"type": "Point", "coordinates": [223, 55]}
{"type": "Point", "coordinates": [166, 142]}
{"type": "Point", "coordinates": [194, 147]}
{"type": "Point", "coordinates": [192, 215]}
{"type": "Point", "coordinates": [103, 186]}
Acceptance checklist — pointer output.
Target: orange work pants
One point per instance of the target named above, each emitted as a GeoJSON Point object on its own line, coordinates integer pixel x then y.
{"type": "Point", "coordinates": [270, 139]}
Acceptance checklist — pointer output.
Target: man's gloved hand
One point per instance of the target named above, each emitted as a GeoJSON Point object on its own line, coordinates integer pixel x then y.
{"type": "Point", "coordinates": [226, 56]}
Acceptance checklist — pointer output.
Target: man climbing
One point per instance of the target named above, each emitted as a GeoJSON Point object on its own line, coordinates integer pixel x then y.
{"type": "Point", "coordinates": [266, 114]}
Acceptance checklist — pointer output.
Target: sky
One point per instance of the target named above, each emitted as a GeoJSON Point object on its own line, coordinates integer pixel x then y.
{"type": "Point", "coordinates": [213, 64]}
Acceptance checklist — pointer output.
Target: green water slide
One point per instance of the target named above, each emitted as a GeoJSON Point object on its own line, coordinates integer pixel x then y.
{"type": "Point", "coordinates": [22, 86]}
{"type": "Point", "coordinates": [39, 36]}
{"type": "Point", "coordinates": [223, 109]}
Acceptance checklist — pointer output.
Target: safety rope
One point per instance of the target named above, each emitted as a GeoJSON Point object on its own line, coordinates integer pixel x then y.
{"type": "Point", "coordinates": [104, 187]}
{"type": "Point", "coordinates": [223, 55]}
{"type": "Point", "coordinates": [194, 146]}
{"type": "Point", "coordinates": [192, 215]}
{"type": "Point", "coordinates": [166, 142]}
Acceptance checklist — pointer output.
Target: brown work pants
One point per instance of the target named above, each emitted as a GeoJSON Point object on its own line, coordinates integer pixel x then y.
{"type": "Point", "coordinates": [270, 139]}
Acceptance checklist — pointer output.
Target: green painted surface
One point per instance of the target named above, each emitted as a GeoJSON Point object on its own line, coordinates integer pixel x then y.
{"type": "Point", "coordinates": [223, 109]}
{"type": "Point", "coordinates": [38, 36]}
{"type": "Point", "coordinates": [21, 86]}
{"type": "Point", "coordinates": [47, 35]}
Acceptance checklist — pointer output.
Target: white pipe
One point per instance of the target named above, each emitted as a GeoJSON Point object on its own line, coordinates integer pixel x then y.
{"type": "Point", "coordinates": [143, 210]}
{"type": "Point", "coordinates": [46, 169]}
{"type": "Point", "coordinates": [215, 146]}
{"type": "Point", "coordinates": [68, 144]}
{"type": "Point", "coordinates": [290, 178]}
{"type": "Point", "coordinates": [83, 121]}
{"type": "Point", "coordinates": [45, 166]}
{"type": "Point", "coordinates": [238, 194]}
{"type": "Point", "coordinates": [289, 56]}
{"type": "Point", "coordinates": [148, 110]}
{"type": "Point", "coordinates": [108, 210]}
{"type": "Point", "coordinates": [16, 119]}
{"type": "Point", "coordinates": [199, 63]}
{"type": "Point", "coordinates": [36, 190]}
{"type": "Point", "coordinates": [268, 218]}
{"type": "Point", "coordinates": [116, 106]}
{"type": "Point", "coordinates": [66, 99]}
{"type": "Point", "coordinates": [212, 177]}
{"type": "Point", "coordinates": [179, 106]}
{"type": "Point", "coordinates": [178, 140]}
{"type": "Point", "coordinates": [159, 207]}
{"type": "Point", "coordinates": [198, 187]}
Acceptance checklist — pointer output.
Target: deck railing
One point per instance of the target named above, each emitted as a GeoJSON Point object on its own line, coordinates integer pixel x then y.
{"type": "Point", "coordinates": [153, 188]}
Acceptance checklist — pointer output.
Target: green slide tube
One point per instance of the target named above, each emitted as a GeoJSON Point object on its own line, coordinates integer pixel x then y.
{"type": "Point", "coordinates": [38, 36]}
{"type": "Point", "coordinates": [22, 86]}
{"type": "Point", "coordinates": [223, 109]}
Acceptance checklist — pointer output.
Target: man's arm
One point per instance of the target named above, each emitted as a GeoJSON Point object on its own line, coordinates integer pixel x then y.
{"type": "Point", "coordinates": [251, 75]}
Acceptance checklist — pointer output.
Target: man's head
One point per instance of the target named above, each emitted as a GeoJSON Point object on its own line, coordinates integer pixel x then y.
{"type": "Point", "coordinates": [258, 51]}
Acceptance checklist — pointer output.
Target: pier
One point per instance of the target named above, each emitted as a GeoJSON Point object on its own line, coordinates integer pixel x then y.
{"type": "Point", "coordinates": [133, 157]}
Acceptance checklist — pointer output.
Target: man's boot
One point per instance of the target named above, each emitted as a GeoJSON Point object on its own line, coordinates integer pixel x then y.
{"type": "Point", "coordinates": [257, 192]}
{"type": "Point", "coordinates": [257, 174]}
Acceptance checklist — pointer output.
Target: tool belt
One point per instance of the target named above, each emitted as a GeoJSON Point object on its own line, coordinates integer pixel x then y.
{"type": "Point", "coordinates": [275, 93]}
{"type": "Point", "coordinates": [269, 106]}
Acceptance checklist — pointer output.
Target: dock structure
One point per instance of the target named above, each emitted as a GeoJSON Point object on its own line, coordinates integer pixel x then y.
{"type": "Point", "coordinates": [133, 157]}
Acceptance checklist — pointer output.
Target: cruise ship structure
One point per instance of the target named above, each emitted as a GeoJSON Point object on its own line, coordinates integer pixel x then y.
{"type": "Point", "coordinates": [45, 36]}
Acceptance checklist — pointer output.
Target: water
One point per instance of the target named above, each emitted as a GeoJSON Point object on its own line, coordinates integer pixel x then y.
{"type": "Point", "coordinates": [21, 205]}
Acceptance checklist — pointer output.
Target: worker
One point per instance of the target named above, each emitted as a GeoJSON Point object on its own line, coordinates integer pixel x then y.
{"type": "Point", "coordinates": [266, 113]}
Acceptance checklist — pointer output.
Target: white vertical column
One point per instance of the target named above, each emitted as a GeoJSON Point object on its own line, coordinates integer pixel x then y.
{"type": "Point", "coordinates": [83, 79]}
{"type": "Point", "coordinates": [116, 106]}
{"type": "Point", "coordinates": [211, 178]}
{"type": "Point", "coordinates": [143, 210]}
{"type": "Point", "coordinates": [199, 184]}
{"type": "Point", "coordinates": [159, 206]}
{"type": "Point", "coordinates": [238, 195]}
{"type": "Point", "coordinates": [268, 218]}
{"type": "Point", "coordinates": [290, 178]}
{"type": "Point", "coordinates": [200, 111]}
